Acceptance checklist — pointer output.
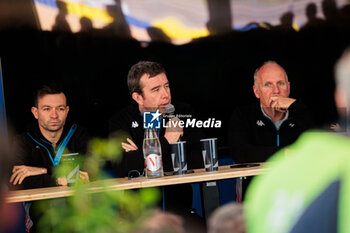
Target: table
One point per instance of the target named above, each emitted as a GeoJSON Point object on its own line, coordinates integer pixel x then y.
{"type": "Point", "coordinates": [199, 175]}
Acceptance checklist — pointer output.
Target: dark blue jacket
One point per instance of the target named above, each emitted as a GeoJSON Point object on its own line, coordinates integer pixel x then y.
{"type": "Point", "coordinates": [253, 137]}
{"type": "Point", "coordinates": [32, 149]}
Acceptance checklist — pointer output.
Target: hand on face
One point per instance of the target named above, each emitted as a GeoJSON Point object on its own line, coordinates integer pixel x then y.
{"type": "Point", "coordinates": [19, 173]}
{"type": "Point", "coordinates": [271, 84]}
{"type": "Point", "coordinates": [280, 104]}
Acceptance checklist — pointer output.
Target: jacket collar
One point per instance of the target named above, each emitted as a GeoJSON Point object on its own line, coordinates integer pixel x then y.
{"type": "Point", "coordinates": [33, 129]}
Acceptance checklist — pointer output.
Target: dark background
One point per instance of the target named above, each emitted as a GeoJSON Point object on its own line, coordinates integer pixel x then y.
{"type": "Point", "coordinates": [213, 74]}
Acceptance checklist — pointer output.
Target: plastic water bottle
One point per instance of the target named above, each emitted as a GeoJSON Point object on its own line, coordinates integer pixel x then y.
{"type": "Point", "coordinates": [152, 153]}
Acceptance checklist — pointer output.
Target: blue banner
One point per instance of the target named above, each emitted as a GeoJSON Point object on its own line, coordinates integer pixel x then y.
{"type": "Point", "coordinates": [3, 122]}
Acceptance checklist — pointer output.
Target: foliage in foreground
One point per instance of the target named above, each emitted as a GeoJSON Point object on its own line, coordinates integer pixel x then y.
{"type": "Point", "coordinates": [106, 211]}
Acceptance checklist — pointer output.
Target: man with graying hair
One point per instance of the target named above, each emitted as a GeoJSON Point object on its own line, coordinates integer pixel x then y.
{"type": "Point", "coordinates": [260, 129]}
{"type": "Point", "coordinates": [272, 87]}
{"type": "Point", "coordinates": [309, 191]}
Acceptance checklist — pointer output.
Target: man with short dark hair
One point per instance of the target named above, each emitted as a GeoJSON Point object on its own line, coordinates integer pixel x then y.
{"type": "Point", "coordinates": [40, 149]}
{"type": "Point", "coordinates": [136, 71]}
{"type": "Point", "coordinates": [149, 88]}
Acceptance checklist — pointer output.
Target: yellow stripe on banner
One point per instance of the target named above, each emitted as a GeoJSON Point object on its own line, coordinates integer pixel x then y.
{"type": "Point", "coordinates": [296, 27]}
{"type": "Point", "coordinates": [174, 29]}
{"type": "Point", "coordinates": [85, 11]}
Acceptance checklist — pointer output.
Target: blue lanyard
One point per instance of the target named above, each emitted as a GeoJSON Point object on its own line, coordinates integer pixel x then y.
{"type": "Point", "coordinates": [61, 148]}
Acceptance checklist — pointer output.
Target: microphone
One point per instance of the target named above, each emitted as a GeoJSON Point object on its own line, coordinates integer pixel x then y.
{"type": "Point", "coordinates": [170, 109]}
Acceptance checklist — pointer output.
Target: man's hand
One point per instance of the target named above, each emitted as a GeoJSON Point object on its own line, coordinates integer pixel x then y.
{"type": "Point", "coordinates": [173, 131]}
{"type": "Point", "coordinates": [19, 173]}
{"type": "Point", "coordinates": [84, 176]}
{"type": "Point", "coordinates": [130, 146]}
{"type": "Point", "coordinates": [62, 181]}
{"type": "Point", "coordinates": [335, 127]}
{"type": "Point", "coordinates": [281, 104]}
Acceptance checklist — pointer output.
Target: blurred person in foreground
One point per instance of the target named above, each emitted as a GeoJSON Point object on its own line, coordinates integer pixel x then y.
{"type": "Point", "coordinates": [160, 222]}
{"type": "Point", "coordinates": [276, 120]}
{"type": "Point", "coordinates": [38, 150]}
{"type": "Point", "coordinates": [227, 219]}
{"type": "Point", "coordinates": [308, 191]}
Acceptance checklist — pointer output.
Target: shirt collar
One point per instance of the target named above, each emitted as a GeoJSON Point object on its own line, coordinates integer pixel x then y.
{"type": "Point", "coordinates": [278, 123]}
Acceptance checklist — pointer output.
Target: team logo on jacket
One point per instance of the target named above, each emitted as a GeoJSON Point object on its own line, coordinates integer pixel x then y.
{"type": "Point", "coordinates": [151, 120]}
{"type": "Point", "coordinates": [291, 125]}
{"type": "Point", "coordinates": [134, 124]}
{"type": "Point", "coordinates": [260, 123]}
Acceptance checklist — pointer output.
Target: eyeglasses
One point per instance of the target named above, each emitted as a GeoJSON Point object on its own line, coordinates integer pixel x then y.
{"type": "Point", "coordinates": [135, 174]}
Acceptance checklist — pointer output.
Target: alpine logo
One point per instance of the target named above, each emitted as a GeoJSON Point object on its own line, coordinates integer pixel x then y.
{"type": "Point", "coordinates": [260, 123]}
{"type": "Point", "coordinates": [134, 124]}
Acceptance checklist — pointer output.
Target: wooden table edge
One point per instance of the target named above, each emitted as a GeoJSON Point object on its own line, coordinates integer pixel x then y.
{"type": "Point", "coordinates": [224, 172]}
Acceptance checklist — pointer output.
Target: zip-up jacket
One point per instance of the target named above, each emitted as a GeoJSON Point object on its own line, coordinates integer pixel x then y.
{"type": "Point", "coordinates": [178, 198]}
{"type": "Point", "coordinates": [31, 148]}
{"type": "Point", "coordinates": [253, 137]}
{"type": "Point", "coordinates": [130, 121]}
